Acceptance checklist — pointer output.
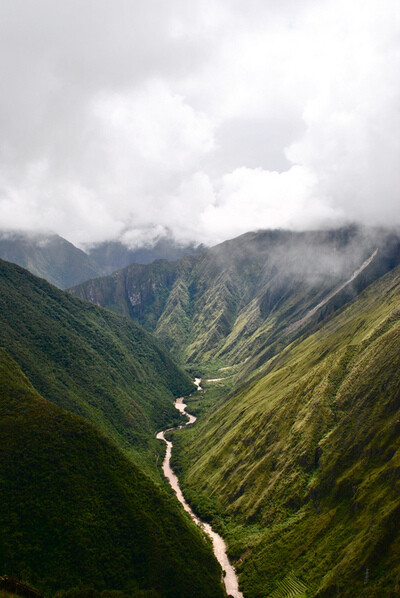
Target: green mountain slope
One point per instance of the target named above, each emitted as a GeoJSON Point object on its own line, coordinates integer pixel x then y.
{"type": "Point", "coordinates": [76, 513]}
{"type": "Point", "coordinates": [90, 361]}
{"type": "Point", "coordinates": [301, 468]}
{"type": "Point", "coordinates": [245, 298]}
{"type": "Point", "coordinates": [50, 257]}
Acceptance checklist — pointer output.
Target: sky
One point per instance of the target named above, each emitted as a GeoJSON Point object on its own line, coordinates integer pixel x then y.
{"type": "Point", "coordinates": [202, 118]}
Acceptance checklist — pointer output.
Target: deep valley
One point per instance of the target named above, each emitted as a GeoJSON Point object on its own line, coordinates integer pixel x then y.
{"type": "Point", "coordinates": [295, 455]}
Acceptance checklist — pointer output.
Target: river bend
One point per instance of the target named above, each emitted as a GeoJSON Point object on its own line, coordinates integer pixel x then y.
{"type": "Point", "coordinates": [219, 548]}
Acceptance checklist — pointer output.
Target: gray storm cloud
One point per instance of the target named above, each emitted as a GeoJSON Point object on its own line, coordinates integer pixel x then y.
{"type": "Point", "coordinates": [127, 118]}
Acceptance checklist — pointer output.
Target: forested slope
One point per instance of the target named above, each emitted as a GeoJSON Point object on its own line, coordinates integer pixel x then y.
{"type": "Point", "coordinates": [76, 513]}
{"type": "Point", "coordinates": [90, 361]}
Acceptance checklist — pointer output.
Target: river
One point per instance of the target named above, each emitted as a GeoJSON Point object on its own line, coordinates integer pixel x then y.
{"type": "Point", "coordinates": [219, 548]}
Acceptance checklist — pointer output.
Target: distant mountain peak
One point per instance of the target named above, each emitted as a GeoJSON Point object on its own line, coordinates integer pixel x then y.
{"type": "Point", "coordinates": [48, 256]}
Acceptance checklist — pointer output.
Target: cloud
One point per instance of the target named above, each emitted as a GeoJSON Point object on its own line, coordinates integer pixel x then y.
{"type": "Point", "coordinates": [128, 118]}
{"type": "Point", "coordinates": [352, 139]}
{"type": "Point", "coordinates": [248, 199]}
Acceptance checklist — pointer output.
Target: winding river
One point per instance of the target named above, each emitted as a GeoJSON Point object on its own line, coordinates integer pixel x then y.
{"type": "Point", "coordinates": [230, 577]}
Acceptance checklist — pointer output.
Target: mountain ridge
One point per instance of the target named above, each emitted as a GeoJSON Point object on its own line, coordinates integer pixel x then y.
{"type": "Point", "coordinates": [114, 255]}
{"type": "Point", "coordinates": [48, 256]}
{"type": "Point", "coordinates": [235, 300]}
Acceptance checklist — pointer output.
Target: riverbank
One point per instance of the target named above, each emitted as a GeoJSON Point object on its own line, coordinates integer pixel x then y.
{"type": "Point", "coordinates": [229, 575]}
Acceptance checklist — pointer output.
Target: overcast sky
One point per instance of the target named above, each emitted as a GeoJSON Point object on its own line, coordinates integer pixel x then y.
{"type": "Point", "coordinates": [208, 118]}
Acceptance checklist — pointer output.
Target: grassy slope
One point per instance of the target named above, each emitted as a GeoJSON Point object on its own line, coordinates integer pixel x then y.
{"type": "Point", "coordinates": [75, 512]}
{"type": "Point", "coordinates": [304, 463]}
{"type": "Point", "coordinates": [90, 361]}
{"type": "Point", "coordinates": [238, 299]}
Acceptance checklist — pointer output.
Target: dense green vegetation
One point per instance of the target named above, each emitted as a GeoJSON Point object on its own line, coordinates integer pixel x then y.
{"type": "Point", "coordinates": [238, 300]}
{"type": "Point", "coordinates": [50, 257]}
{"type": "Point", "coordinates": [91, 362]}
{"type": "Point", "coordinates": [300, 470]}
{"type": "Point", "coordinates": [295, 457]}
{"type": "Point", "coordinates": [76, 513]}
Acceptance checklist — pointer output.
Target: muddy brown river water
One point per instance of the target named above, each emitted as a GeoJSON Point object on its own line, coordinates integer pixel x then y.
{"type": "Point", "coordinates": [219, 548]}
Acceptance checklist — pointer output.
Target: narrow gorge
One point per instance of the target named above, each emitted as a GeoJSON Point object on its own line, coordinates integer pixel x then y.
{"type": "Point", "coordinates": [219, 548]}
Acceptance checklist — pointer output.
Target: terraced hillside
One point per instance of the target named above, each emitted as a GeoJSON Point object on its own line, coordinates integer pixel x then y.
{"type": "Point", "coordinates": [91, 362]}
{"type": "Point", "coordinates": [300, 470]}
{"type": "Point", "coordinates": [248, 297]}
{"type": "Point", "coordinates": [77, 514]}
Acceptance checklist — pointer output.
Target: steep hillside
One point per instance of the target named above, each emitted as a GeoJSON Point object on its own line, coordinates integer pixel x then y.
{"type": "Point", "coordinates": [50, 257]}
{"type": "Point", "coordinates": [301, 469]}
{"type": "Point", "coordinates": [248, 297]}
{"type": "Point", "coordinates": [90, 361]}
{"type": "Point", "coordinates": [76, 513]}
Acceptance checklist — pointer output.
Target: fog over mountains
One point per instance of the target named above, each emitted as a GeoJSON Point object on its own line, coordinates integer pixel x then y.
{"type": "Point", "coordinates": [234, 300]}
{"type": "Point", "coordinates": [51, 257]}
{"type": "Point", "coordinates": [133, 119]}
{"type": "Point", "coordinates": [199, 205]}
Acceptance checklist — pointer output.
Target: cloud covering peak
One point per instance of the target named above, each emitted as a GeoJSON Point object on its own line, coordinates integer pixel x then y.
{"type": "Point", "coordinates": [208, 119]}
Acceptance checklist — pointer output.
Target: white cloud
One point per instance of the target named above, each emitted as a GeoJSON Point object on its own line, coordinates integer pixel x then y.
{"type": "Point", "coordinates": [207, 119]}
{"type": "Point", "coordinates": [152, 125]}
{"type": "Point", "coordinates": [352, 140]}
{"type": "Point", "coordinates": [248, 199]}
